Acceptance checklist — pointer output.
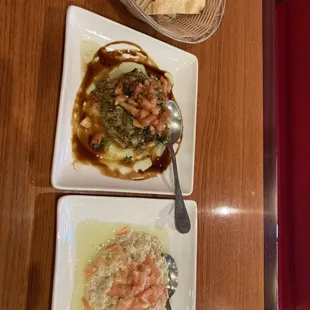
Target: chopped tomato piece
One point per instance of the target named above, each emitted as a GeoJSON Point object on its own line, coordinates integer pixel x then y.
{"type": "Point", "coordinates": [96, 140]}
{"type": "Point", "coordinates": [144, 113]}
{"type": "Point", "coordinates": [146, 294]}
{"type": "Point", "coordinates": [129, 108]}
{"type": "Point", "coordinates": [89, 270]}
{"type": "Point", "coordinates": [136, 290]}
{"type": "Point", "coordinates": [122, 276]}
{"type": "Point", "coordinates": [145, 104]}
{"type": "Point", "coordinates": [146, 268]}
{"type": "Point", "coordinates": [86, 305]}
{"type": "Point", "coordinates": [123, 231]}
{"type": "Point", "coordinates": [136, 277]}
{"type": "Point", "coordinates": [166, 115]}
{"type": "Point", "coordinates": [137, 124]}
{"type": "Point", "coordinates": [114, 291]}
{"type": "Point", "coordinates": [151, 280]}
{"type": "Point", "coordinates": [155, 270]}
{"type": "Point", "coordinates": [119, 90]}
{"type": "Point", "coordinates": [137, 286]}
{"type": "Point", "coordinates": [155, 111]}
{"type": "Point", "coordinates": [138, 90]}
{"type": "Point", "coordinates": [136, 305]}
{"type": "Point", "coordinates": [119, 290]}
{"type": "Point", "coordinates": [147, 120]}
{"type": "Point", "coordinates": [124, 304]}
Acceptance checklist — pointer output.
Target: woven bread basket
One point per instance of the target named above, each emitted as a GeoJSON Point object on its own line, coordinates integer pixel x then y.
{"type": "Point", "coordinates": [187, 28]}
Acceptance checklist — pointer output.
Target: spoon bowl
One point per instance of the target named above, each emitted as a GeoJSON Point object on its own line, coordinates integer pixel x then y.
{"type": "Point", "coordinates": [176, 122]}
{"type": "Point", "coordinates": [173, 277]}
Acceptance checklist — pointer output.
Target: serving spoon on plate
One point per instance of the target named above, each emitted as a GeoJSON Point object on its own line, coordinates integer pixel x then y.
{"type": "Point", "coordinates": [181, 218]}
{"type": "Point", "coordinates": [173, 277]}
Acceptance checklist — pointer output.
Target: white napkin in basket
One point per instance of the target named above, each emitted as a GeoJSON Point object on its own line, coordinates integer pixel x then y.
{"type": "Point", "coordinates": [174, 6]}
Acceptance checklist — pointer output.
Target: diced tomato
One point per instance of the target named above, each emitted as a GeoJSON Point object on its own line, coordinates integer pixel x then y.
{"type": "Point", "coordinates": [139, 305]}
{"type": "Point", "coordinates": [155, 111]}
{"type": "Point", "coordinates": [141, 281]}
{"type": "Point", "coordinates": [165, 295]}
{"type": "Point", "coordinates": [147, 120]}
{"type": "Point", "coordinates": [96, 140]}
{"type": "Point", "coordinates": [119, 290]}
{"type": "Point", "coordinates": [124, 304]}
{"type": "Point", "coordinates": [146, 268]}
{"type": "Point", "coordinates": [144, 305]}
{"type": "Point", "coordinates": [129, 108]}
{"type": "Point", "coordinates": [86, 305]}
{"type": "Point", "coordinates": [144, 113]}
{"type": "Point", "coordinates": [145, 104]}
{"type": "Point", "coordinates": [137, 124]}
{"type": "Point", "coordinates": [136, 285]}
{"type": "Point", "coordinates": [155, 122]}
{"type": "Point", "coordinates": [114, 291]}
{"type": "Point", "coordinates": [136, 290]}
{"type": "Point", "coordinates": [166, 85]}
{"type": "Point", "coordinates": [153, 295]}
{"type": "Point", "coordinates": [165, 115]}
{"type": "Point", "coordinates": [154, 305]}
{"type": "Point", "coordinates": [151, 280]}
{"type": "Point", "coordinates": [139, 277]}
{"type": "Point", "coordinates": [153, 100]}
{"type": "Point", "coordinates": [101, 261]}
{"type": "Point", "coordinates": [123, 231]}
{"type": "Point", "coordinates": [136, 277]}
{"type": "Point", "coordinates": [155, 270]}
{"type": "Point", "coordinates": [121, 276]}
{"type": "Point", "coordinates": [135, 266]}
{"type": "Point", "coordinates": [129, 279]}
{"type": "Point", "coordinates": [112, 248]}
{"type": "Point", "coordinates": [119, 90]}
{"type": "Point", "coordinates": [138, 90]}
{"type": "Point", "coordinates": [89, 270]}
{"type": "Point", "coordinates": [146, 296]}
{"type": "Point", "coordinates": [160, 127]}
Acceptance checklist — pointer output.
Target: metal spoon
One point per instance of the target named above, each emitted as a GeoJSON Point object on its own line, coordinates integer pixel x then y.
{"type": "Point", "coordinates": [182, 222]}
{"type": "Point", "coordinates": [173, 276]}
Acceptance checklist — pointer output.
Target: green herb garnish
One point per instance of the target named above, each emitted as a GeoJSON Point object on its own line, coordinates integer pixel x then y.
{"type": "Point", "coordinates": [162, 102]}
{"type": "Point", "coordinates": [99, 84]}
{"type": "Point", "coordinates": [126, 89]}
{"type": "Point", "coordinates": [128, 159]}
{"type": "Point", "coordinates": [102, 143]}
{"type": "Point", "coordinates": [163, 139]}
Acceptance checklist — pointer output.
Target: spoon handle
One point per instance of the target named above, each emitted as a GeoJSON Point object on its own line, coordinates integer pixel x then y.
{"type": "Point", "coordinates": [168, 306]}
{"type": "Point", "coordinates": [182, 222]}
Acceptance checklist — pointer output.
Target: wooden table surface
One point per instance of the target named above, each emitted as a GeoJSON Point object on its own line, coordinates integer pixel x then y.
{"type": "Point", "coordinates": [229, 152]}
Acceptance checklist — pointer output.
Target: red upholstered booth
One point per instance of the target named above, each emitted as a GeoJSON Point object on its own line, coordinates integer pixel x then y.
{"type": "Point", "coordinates": [293, 152]}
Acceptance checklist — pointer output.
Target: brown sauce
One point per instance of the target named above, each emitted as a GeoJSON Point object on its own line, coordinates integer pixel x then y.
{"type": "Point", "coordinates": [83, 153]}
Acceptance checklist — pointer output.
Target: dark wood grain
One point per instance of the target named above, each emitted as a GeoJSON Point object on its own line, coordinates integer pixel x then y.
{"type": "Point", "coordinates": [229, 151]}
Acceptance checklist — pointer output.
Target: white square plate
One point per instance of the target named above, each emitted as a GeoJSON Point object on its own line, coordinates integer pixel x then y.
{"type": "Point", "coordinates": [154, 213]}
{"type": "Point", "coordinates": [83, 25]}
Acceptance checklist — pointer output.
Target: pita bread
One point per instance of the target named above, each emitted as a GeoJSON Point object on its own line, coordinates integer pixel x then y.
{"type": "Point", "coordinates": [174, 6]}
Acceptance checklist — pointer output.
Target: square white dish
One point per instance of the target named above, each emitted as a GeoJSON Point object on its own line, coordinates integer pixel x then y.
{"type": "Point", "coordinates": [154, 213]}
{"type": "Point", "coordinates": [83, 25]}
